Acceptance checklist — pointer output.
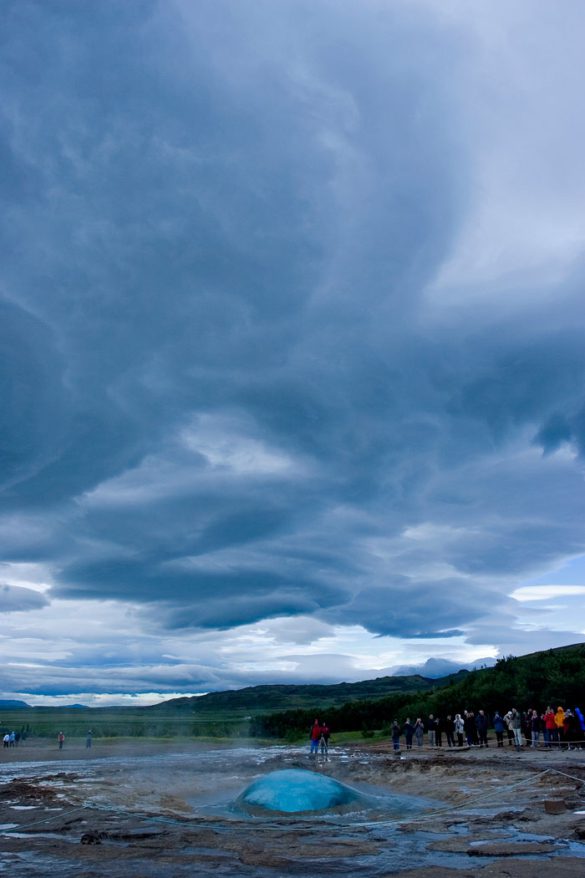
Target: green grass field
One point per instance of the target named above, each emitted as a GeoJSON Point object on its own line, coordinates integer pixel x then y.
{"type": "Point", "coordinates": [119, 724]}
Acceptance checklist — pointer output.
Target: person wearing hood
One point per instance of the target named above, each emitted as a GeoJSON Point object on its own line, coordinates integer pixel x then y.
{"type": "Point", "coordinates": [499, 728]}
{"type": "Point", "coordinates": [581, 719]}
{"type": "Point", "coordinates": [560, 724]}
{"type": "Point", "coordinates": [550, 728]}
{"type": "Point", "coordinates": [571, 729]}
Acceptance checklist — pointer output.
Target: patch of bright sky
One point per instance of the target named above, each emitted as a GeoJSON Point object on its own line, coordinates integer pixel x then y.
{"type": "Point", "coordinates": [366, 651]}
{"type": "Point", "coordinates": [33, 576]}
{"type": "Point", "coordinates": [570, 573]}
{"type": "Point", "coordinates": [221, 446]}
{"type": "Point", "coordinates": [546, 592]}
{"type": "Point", "coordinates": [519, 107]}
{"type": "Point", "coordinates": [105, 699]}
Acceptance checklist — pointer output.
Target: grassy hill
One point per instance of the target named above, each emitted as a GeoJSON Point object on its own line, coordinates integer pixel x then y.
{"type": "Point", "coordinates": [263, 699]}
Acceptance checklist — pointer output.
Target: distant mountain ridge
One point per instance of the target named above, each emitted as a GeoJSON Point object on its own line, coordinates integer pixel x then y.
{"type": "Point", "coordinates": [286, 696]}
{"type": "Point", "coordinates": [436, 668]}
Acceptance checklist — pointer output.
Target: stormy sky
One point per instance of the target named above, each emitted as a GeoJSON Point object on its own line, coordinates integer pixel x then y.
{"type": "Point", "coordinates": [292, 360]}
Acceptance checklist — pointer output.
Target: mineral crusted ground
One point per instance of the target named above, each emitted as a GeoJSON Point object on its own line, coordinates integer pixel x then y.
{"type": "Point", "coordinates": [165, 810]}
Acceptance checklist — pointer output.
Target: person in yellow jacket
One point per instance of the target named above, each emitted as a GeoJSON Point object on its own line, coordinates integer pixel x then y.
{"type": "Point", "coordinates": [560, 723]}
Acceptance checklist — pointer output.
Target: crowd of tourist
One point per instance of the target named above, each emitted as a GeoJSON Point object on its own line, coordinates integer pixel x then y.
{"type": "Point", "coordinates": [560, 728]}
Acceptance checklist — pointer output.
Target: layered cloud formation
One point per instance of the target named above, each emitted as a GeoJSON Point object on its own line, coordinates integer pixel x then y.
{"type": "Point", "coordinates": [291, 324]}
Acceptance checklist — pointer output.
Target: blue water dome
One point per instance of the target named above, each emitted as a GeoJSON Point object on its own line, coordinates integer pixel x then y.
{"type": "Point", "coordinates": [294, 789]}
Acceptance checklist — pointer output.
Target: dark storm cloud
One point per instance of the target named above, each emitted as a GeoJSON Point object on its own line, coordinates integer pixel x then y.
{"type": "Point", "coordinates": [223, 390]}
{"type": "Point", "coordinates": [400, 608]}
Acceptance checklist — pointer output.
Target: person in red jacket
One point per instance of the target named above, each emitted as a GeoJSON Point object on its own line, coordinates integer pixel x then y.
{"type": "Point", "coordinates": [315, 737]}
{"type": "Point", "coordinates": [550, 728]}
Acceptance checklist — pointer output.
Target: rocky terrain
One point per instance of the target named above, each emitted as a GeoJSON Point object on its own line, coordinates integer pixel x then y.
{"type": "Point", "coordinates": [168, 811]}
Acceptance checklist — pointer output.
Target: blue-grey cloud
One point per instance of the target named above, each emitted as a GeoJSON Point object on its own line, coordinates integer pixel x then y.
{"type": "Point", "coordinates": [14, 598]}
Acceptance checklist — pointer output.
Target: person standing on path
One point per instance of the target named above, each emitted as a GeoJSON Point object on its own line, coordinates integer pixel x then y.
{"type": "Point", "coordinates": [560, 726]}
{"type": "Point", "coordinates": [499, 728]}
{"type": "Point", "coordinates": [534, 729]}
{"type": "Point", "coordinates": [469, 725]}
{"type": "Point", "coordinates": [395, 731]}
{"type": "Point", "coordinates": [432, 730]}
{"type": "Point", "coordinates": [550, 728]}
{"type": "Point", "coordinates": [61, 740]}
{"type": "Point", "coordinates": [515, 725]}
{"type": "Point", "coordinates": [481, 724]}
{"type": "Point", "coordinates": [419, 731]}
{"type": "Point", "coordinates": [315, 737]}
{"type": "Point", "coordinates": [324, 740]}
{"type": "Point", "coordinates": [459, 728]}
{"type": "Point", "coordinates": [88, 740]}
{"type": "Point", "coordinates": [449, 729]}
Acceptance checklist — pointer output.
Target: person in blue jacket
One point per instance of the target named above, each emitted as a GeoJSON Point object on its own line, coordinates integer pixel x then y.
{"type": "Point", "coordinates": [481, 724]}
{"type": "Point", "coordinates": [499, 729]}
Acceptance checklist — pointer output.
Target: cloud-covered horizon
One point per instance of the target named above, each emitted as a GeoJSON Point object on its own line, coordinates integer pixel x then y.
{"type": "Point", "coordinates": [291, 335]}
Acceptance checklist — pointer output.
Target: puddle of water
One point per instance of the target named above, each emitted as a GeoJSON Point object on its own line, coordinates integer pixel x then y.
{"type": "Point", "coordinates": [50, 835]}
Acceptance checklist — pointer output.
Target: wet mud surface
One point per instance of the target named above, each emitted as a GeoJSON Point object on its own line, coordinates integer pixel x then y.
{"type": "Point", "coordinates": [173, 813]}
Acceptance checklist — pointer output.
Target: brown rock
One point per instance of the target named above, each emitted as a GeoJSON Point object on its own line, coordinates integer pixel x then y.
{"type": "Point", "coordinates": [554, 806]}
{"type": "Point", "coordinates": [511, 849]}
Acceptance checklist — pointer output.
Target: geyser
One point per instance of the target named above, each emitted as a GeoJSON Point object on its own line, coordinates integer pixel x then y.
{"type": "Point", "coordinates": [294, 789]}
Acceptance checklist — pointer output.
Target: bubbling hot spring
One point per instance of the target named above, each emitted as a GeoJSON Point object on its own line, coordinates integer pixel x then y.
{"type": "Point", "coordinates": [294, 790]}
